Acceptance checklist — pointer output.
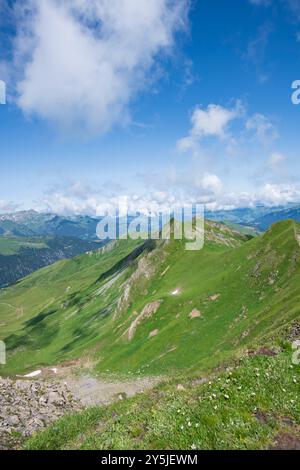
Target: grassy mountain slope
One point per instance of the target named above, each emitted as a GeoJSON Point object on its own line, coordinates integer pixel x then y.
{"type": "Point", "coordinates": [153, 307]}
{"type": "Point", "coordinates": [11, 246]}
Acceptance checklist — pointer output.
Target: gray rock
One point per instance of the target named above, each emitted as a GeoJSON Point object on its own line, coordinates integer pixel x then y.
{"type": "Point", "coordinates": [13, 420]}
{"type": "Point", "coordinates": [29, 405]}
{"type": "Point", "coordinates": [54, 398]}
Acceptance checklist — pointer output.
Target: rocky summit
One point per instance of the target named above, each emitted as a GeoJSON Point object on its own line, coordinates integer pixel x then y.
{"type": "Point", "coordinates": [27, 406]}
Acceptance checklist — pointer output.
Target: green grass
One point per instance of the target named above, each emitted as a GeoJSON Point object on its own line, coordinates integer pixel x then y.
{"type": "Point", "coordinates": [243, 407]}
{"type": "Point", "coordinates": [11, 246]}
{"type": "Point", "coordinates": [71, 309]}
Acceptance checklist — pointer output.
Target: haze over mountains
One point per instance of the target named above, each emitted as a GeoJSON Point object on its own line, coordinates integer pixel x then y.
{"type": "Point", "coordinates": [32, 223]}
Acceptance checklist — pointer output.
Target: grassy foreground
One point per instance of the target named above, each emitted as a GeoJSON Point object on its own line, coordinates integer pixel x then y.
{"type": "Point", "coordinates": [253, 405]}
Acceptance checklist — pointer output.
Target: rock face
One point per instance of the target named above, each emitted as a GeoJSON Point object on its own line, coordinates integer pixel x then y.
{"type": "Point", "coordinates": [26, 406]}
{"type": "Point", "coordinates": [195, 314]}
{"type": "Point", "coordinates": [147, 312]}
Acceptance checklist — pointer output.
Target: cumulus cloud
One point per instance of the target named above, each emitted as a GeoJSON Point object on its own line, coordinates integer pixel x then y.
{"type": "Point", "coordinates": [210, 122]}
{"type": "Point", "coordinates": [177, 191]}
{"type": "Point", "coordinates": [213, 183]}
{"type": "Point", "coordinates": [80, 62]}
{"type": "Point", "coordinates": [268, 195]}
{"type": "Point", "coordinates": [262, 127]}
{"type": "Point", "coordinates": [172, 192]}
{"type": "Point", "coordinates": [156, 201]}
{"type": "Point", "coordinates": [276, 194]}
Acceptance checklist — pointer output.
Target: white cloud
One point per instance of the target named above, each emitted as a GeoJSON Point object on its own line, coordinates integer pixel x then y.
{"type": "Point", "coordinates": [210, 122]}
{"type": "Point", "coordinates": [212, 183]}
{"type": "Point", "coordinates": [276, 194]}
{"type": "Point", "coordinates": [262, 128]}
{"type": "Point", "coordinates": [177, 191]}
{"type": "Point", "coordinates": [7, 207]}
{"type": "Point", "coordinates": [97, 205]}
{"type": "Point", "coordinates": [172, 193]}
{"type": "Point", "coordinates": [269, 195]}
{"type": "Point", "coordinates": [82, 61]}
{"type": "Point", "coordinates": [276, 160]}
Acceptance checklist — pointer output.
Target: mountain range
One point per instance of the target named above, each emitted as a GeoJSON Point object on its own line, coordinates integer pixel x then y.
{"type": "Point", "coordinates": [30, 240]}
{"type": "Point", "coordinates": [36, 224]}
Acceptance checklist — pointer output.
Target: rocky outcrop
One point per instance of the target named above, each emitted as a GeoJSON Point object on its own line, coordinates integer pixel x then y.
{"type": "Point", "coordinates": [146, 268]}
{"type": "Point", "coordinates": [27, 406]}
{"type": "Point", "coordinates": [147, 312]}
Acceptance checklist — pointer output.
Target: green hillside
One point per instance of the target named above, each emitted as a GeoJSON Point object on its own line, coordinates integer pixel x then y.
{"type": "Point", "coordinates": [11, 246]}
{"type": "Point", "coordinates": [154, 308]}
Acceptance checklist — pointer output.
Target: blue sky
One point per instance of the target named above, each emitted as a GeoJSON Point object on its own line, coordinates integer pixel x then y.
{"type": "Point", "coordinates": [162, 102]}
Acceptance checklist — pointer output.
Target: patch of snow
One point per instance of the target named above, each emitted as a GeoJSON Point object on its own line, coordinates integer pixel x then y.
{"type": "Point", "coordinates": [175, 292]}
{"type": "Point", "coordinates": [32, 374]}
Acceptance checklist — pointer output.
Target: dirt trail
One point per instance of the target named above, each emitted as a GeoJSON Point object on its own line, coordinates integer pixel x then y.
{"type": "Point", "coordinates": [91, 390]}
{"type": "Point", "coordinates": [94, 391]}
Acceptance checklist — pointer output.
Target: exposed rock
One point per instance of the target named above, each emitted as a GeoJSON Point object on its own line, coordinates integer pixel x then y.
{"type": "Point", "coordinates": [153, 333]}
{"type": "Point", "coordinates": [294, 332]}
{"type": "Point", "coordinates": [195, 314]}
{"type": "Point", "coordinates": [147, 312]}
{"type": "Point", "coordinates": [214, 297]}
{"type": "Point", "coordinates": [264, 351]}
{"type": "Point", "coordinates": [180, 388]}
{"type": "Point", "coordinates": [146, 268]}
{"type": "Point", "coordinates": [54, 398]}
{"type": "Point", "coordinates": [27, 406]}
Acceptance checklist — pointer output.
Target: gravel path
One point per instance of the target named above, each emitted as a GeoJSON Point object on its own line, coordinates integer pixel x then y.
{"type": "Point", "coordinates": [94, 391]}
